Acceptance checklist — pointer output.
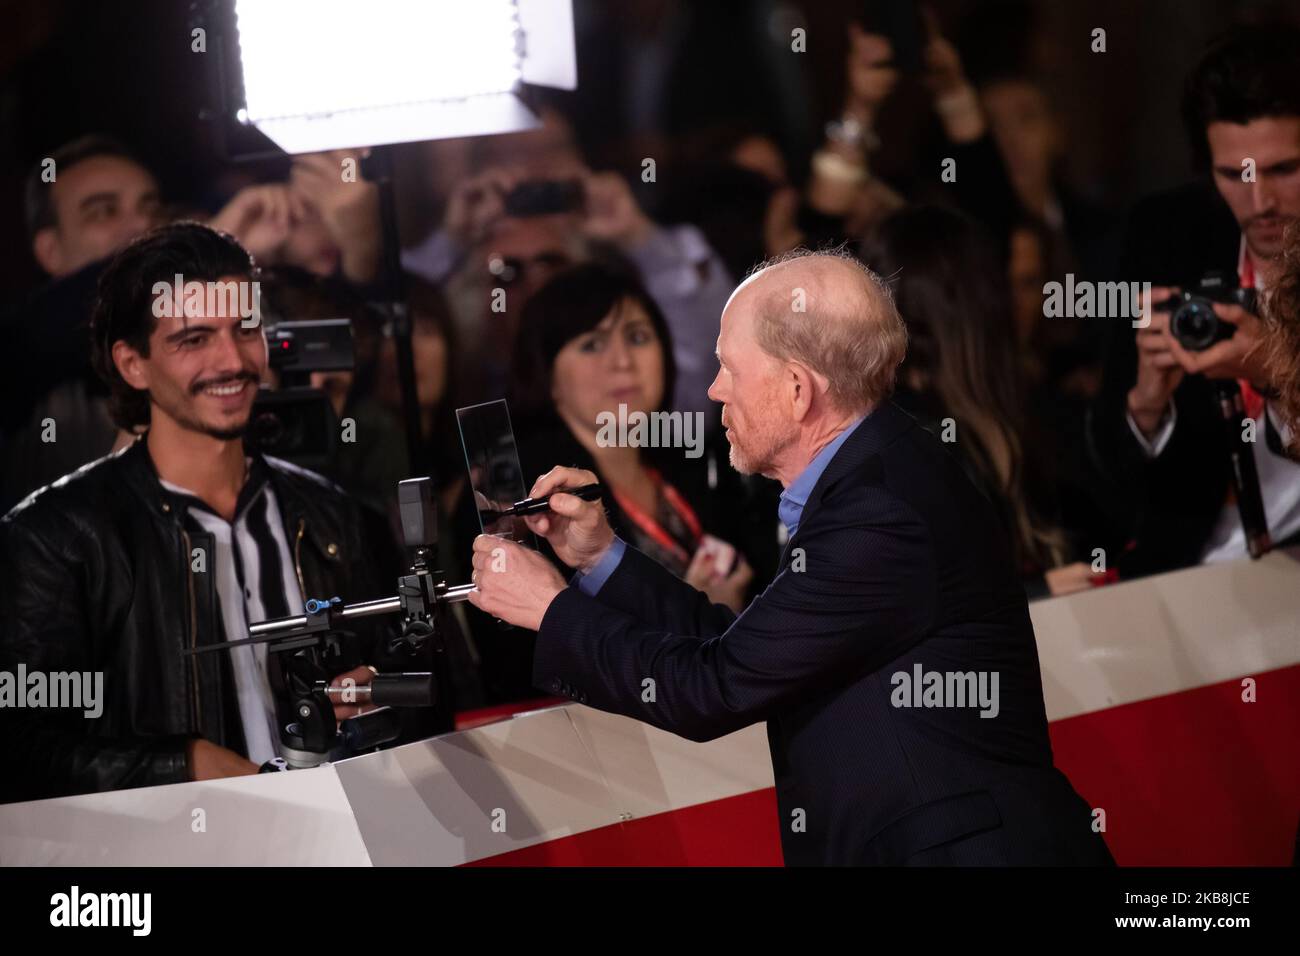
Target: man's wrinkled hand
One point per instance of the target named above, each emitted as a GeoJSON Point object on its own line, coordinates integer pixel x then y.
{"type": "Point", "coordinates": [577, 531]}
{"type": "Point", "coordinates": [513, 583]}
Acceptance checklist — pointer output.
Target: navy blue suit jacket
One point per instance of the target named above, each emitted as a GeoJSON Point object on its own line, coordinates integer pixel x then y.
{"type": "Point", "coordinates": [898, 561]}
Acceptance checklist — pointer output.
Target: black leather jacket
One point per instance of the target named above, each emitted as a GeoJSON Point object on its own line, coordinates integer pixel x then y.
{"type": "Point", "coordinates": [95, 575]}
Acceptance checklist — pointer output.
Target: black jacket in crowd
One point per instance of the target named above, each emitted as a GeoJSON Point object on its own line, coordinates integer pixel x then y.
{"type": "Point", "coordinates": [45, 366]}
{"type": "Point", "coordinates": [95, 575]}
{"type": "Point", "coordinates": [898, 567]}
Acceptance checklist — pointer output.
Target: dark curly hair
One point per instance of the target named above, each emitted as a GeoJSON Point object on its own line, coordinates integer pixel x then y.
{"type": "Point", "coordinates": [1282, 345]}
{"type": "Point", "coordinates": [124, 302]}
{"type": "Point", "coordinates": [1248, 72]}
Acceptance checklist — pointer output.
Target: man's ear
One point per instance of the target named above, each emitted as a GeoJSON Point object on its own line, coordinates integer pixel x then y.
{"type": "Point", "coordinates": [130, 365]}
{"type": "Point", "coordinates": [48, 250]}
{"type": "Point", "coordinates": [802, 382]}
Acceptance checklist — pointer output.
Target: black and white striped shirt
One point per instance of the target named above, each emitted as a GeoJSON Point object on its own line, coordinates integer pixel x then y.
{"type": "Point", "coordinates": [255, 580]}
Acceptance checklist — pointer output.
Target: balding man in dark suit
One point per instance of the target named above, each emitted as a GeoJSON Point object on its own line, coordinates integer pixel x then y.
{"type": "Point", "coordinates": [892, 656]}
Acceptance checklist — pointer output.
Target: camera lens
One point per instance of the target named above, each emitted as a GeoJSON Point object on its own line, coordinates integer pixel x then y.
{"type": "Point", "coordinates": [1195, 325]}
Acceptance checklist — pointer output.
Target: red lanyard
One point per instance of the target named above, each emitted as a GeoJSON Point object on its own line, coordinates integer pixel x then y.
{"type": "Point", "coordinates": [651, 527]}
{"type": "Point", "coordinates": [1251, 400]}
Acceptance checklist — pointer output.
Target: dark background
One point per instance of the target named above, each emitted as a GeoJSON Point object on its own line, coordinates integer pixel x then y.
{"type": "Point", "coordinates": [124, 67]}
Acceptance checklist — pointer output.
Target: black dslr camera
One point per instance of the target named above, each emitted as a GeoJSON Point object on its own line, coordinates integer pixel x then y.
{"type": "Point", "coordinates": [1194, 322]}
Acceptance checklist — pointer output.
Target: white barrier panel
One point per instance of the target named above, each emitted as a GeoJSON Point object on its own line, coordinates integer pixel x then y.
{"type": "Point", "coordinates": [300, 818]}
{"type": "Point", "coordinates": [1168, 633]}
{"type": "Point", "coordinates": [570, 770]}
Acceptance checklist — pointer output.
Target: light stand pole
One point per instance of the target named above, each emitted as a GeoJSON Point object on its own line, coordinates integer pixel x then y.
{"type": "Point", "coordinates": [378, 168]}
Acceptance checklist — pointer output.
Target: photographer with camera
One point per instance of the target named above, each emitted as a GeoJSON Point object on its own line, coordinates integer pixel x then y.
{"type": "Point", "coordinates": [510, 231]}
{"type": "Point", "coordinates": [1169, 431]}
{"type": "Point", "coordinates": [178, 541]}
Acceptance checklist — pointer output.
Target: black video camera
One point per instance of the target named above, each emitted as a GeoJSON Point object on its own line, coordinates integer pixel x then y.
{"type": "Point", "coordinates": [296, 422]}
{"type": "Point", "coordinates": [1194, 322]}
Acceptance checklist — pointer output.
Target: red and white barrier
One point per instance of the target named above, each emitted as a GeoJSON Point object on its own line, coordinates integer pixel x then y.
{"type": "Point", "coordinates": [1147, 684]}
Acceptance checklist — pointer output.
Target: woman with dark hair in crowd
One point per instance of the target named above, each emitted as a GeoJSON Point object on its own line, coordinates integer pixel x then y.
{"type": "Point", "coordinates": [593, 343]}
{"type": "Point", "coordinates": [961, 377]}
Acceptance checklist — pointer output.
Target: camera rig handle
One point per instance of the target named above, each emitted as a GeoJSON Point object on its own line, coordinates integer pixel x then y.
{"type": "Point", "coordinates": [422, 593]}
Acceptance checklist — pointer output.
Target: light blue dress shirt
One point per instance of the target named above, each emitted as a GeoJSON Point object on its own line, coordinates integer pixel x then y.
{"type": "Point", "coordinates": [790, 510]}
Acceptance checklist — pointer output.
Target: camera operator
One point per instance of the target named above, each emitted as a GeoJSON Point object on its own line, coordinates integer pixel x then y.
{"type": "Point", "coordinates": [1156, 430]}
{"type": "Point", "coordinates": [319, 220]}
{"type": "Point", "coordinates": [179, 540]}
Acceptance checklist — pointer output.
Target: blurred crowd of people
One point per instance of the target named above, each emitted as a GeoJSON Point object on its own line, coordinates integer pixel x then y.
{"type": "Point", "coordinates": [572, 290]}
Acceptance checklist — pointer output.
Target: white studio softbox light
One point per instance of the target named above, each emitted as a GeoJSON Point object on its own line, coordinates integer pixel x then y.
{"type": "Point", "coordinates": [332, 74]}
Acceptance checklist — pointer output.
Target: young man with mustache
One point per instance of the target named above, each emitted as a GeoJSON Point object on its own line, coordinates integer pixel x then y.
{"type": "Point", "coordinates": [183, 538]}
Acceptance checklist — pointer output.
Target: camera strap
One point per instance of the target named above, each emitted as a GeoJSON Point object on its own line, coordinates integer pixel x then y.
{"type": "Point", "coordinates": [1274, 441]}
